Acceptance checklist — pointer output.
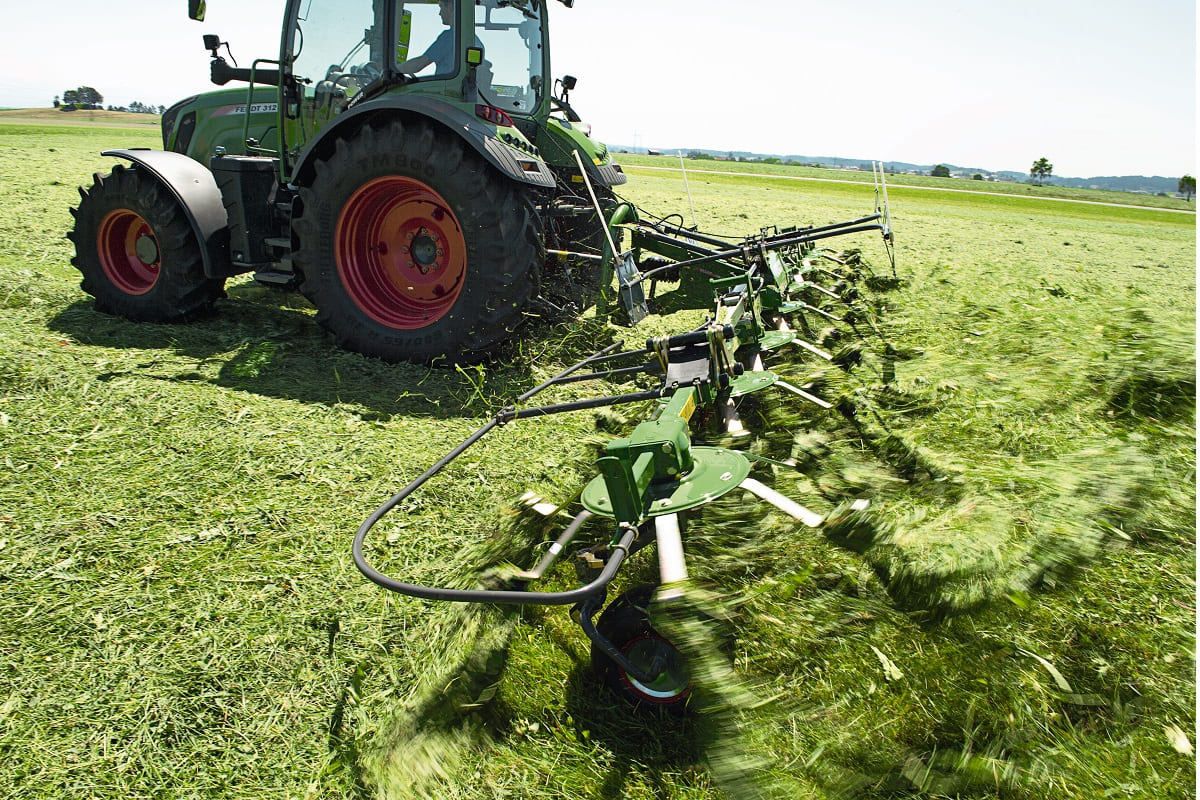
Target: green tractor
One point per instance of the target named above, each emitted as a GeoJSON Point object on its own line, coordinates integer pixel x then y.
{"type": "Point", "coordinates": [406, 164]}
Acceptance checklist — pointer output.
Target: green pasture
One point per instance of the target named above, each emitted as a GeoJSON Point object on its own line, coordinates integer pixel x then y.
{"type": "Point", "coordinates": [796, 172]}
{"type": "Point", "coordinates": [180, 616]}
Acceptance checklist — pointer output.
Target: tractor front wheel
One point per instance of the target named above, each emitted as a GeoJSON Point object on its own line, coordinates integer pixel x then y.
{"type": "Point", "coordinates": [137, 252]}
{"type": "Point", "coordinates": [414, 249]}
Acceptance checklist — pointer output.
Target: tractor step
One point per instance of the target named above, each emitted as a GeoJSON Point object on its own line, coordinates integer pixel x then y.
{"type": "Point", "coordinates": [276, 279]}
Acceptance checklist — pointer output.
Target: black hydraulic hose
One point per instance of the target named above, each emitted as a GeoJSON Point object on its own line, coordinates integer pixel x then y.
{"type": "Point", "coordinates": [615, 372]}
{"type": "Point", "coordinates": [507, 597]}
{"type": "Point", "coordinates": [579, 405]}
{"type": "Point", "coordinates": [678, 230]}
{"type": "Point", "coordinates": [483, 595]}
{"type": "Point", "coordinates": [822, 229]}
{"type": "Point", "coordinates": [599, 355]}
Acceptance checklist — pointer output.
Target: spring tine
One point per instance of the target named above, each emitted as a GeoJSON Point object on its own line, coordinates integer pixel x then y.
{"type": "Point", "coordinates": [784, 504]}
{"type": "Point", "coordinates": [812, 348]}
{"type": "Point", "coordinates": [536, 503]}
{"type": "Point", "coordinates": [812, 398]}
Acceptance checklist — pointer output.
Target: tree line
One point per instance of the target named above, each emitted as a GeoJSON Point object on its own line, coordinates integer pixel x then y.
{"type": "Point", "coordinates": [87, 98]}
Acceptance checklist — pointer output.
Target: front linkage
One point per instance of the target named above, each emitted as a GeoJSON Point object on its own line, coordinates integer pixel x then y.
{"type": "Point", "coordinates": [649, 478]}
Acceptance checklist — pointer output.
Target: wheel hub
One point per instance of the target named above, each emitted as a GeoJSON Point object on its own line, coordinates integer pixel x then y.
{"type": "Point", "coordinates": [128, 251]}
{"type": "Point", "coordinates": [424, 251]}
{"type": "Point", "coordinates": [401, 254]}
{"type": "Point", "coordinates": [657, 655]}
{"type": "Point", "coordinates": [146, 249]}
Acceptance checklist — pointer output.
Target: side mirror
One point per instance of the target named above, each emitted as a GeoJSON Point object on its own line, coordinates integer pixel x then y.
{"type": "Point", "coordinates": [196, 10]}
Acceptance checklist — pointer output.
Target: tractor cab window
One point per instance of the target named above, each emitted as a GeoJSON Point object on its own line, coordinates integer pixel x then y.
{"type": "Point", "coordinates": [426, 39]}
{"type": "Point", "coordinates": [510, 32]}
{"type": "Point", "coordinates": [337, 49]}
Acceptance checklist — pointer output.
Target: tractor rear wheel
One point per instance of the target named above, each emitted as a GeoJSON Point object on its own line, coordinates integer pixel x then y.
{"type": "Point", "coordinates": [412, 248]}
{"type": "Point", "coordinates": [137, 252]}
{"type": "Point", "coordinates": [626, 624]}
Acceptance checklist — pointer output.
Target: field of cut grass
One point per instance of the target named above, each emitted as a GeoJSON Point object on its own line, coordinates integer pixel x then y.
{"type": "Point", "coordinates": [181, 617]}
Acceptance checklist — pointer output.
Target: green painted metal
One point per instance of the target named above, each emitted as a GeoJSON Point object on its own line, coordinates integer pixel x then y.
{"type": "Point", "coordinates": [749, 382]}
{"type": "Point", "coordinates": [773, 340]}
{"type": "Point", "coordinates": [715, 472]}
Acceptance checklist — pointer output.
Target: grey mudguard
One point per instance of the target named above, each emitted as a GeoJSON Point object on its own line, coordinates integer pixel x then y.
{"type": "Point", "coordinates": [521, 167]}
{"type": "Point", "coordinates": [196, 190]}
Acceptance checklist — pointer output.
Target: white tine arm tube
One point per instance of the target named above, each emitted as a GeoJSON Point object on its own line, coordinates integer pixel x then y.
{"type": "Point", "coordinates": [784, 504]}
{"type": "Point", "coordinates": [671, 566]}
{"type": "Point", "coordinates": [812, 398]}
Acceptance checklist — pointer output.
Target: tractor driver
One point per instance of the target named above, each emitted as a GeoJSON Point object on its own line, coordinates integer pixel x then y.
{"type": "Point", "coordinates": [441, 53]}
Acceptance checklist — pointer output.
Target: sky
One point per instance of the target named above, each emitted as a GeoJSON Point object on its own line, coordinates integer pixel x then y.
{"type": "Point", "coordinates": [1098, 88]}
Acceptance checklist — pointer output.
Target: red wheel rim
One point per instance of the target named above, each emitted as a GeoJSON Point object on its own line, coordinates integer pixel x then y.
{"type": "Point", "coordinates": [400, 252]}
{"type": "Point", "coordinates": [128, 250]}
{"type": "Point", "coordinates": [673, 686]}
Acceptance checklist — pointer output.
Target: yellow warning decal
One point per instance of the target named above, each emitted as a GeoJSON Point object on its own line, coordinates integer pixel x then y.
{"type": "Point", "coordinates": [403, 35]}
{"type": "Point", "coordinates": [689, 407]}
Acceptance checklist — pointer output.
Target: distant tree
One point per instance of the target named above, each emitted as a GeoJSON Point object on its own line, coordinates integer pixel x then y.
{"type": "Point", "coordinates": [940, 171]}
{"type": "Point", "coordinates": [1187, 186]}
{"type": "Point", "coordinates": [976, 177]}
{"type": "Point", "coordinates": [56, 103]}
{"type": "Point", "coordinates": [83, 97]}
{"type": "Point", "coordinates": [1040, 170]}
{"type": "Point", "coordinates": [162, 109]}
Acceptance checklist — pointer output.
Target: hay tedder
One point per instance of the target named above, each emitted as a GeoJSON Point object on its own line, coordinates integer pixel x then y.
{"type": "Point", "coordinates": [774, 292]}
{"type": "Point", "coordinates": [410, 167]}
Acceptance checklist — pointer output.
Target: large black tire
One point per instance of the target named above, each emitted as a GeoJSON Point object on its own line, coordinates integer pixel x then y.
{"type": "Point", "coordinates": [626, 623]}
{"type": "Point", "coordinates": [412, 248]}
{"type": "Point", "coordinates": [137, 252]}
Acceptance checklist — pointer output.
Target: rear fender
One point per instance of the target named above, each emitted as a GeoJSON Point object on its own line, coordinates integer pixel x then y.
{"type": "Point", "coordinates": [559, 139]}
{"type": "Point", "coordinates": [196, 190]}
{"type": "Point", "coordinates": [481, 135]}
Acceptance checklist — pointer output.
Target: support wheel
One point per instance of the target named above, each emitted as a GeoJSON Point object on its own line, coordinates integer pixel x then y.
{"type": "Point", "coordinates": [626, 623]}
{"type": "Point", "coordinates": [413, 248]}
{"type": "Point", "coordinates": [137, 252]}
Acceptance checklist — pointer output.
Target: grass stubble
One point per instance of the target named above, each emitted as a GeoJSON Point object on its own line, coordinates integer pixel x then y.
{"type": "Point", "coordinates": [1013, 617]}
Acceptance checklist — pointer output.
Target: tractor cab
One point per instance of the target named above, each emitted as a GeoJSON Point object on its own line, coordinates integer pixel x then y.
{"type": "Point", "coordinates": [340, 53]}
{"type": "Point", "coordinates": [477, 66]}
{"type": "Point", "coordinates": [486, 58]}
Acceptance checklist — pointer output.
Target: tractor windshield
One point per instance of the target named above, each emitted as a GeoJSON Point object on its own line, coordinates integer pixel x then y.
{"type": "Point", "coordinates": [511, 36]}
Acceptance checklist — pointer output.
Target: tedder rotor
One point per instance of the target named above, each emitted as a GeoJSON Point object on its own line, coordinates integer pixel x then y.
{"type": "Point", "coordinates": [770, 293]}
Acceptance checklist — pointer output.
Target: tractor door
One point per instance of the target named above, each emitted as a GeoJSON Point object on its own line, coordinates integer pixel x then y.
{"type": "Point", "coordinates": [336, 49]}
{"type": "Point", "coordinates": [341, 49]}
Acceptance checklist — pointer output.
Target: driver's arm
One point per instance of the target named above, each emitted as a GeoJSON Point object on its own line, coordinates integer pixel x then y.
{"type": "Point", "coordinates": [414, 65]}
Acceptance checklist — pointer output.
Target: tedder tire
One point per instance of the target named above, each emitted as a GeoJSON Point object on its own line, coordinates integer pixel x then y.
{"type": "Point", "coordinates": [137, 252]}
{"type": "Point", "coordinates": [413, 248]}
{"type": "Point", "coordinates": [626, 623]}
